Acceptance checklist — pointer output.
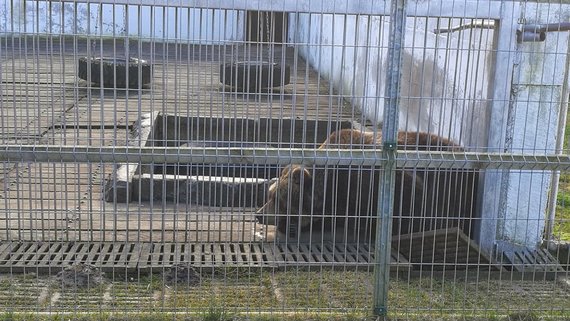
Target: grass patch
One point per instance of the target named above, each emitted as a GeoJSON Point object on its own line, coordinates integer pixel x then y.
{"type": "Point", "coordinates": [20, 291]}
{"type": "Point", "coordinates": [561, 228]}
{"type": "Point", "coordinates": [217, 314]}
{"type": "Point", "coordinates": [499, 297]}
{"type": "Point", "coordinates": [221, 315]}
{"type": "Point", "coordinates": [232, 292]}
{"type": "Point", "coordinates": [298, 294]}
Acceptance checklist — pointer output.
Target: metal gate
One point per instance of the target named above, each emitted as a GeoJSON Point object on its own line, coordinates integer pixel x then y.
{"type": "Point", "coordinates": [284, 159]}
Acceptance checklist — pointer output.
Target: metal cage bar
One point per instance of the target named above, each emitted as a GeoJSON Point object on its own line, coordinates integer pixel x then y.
{"type": "Point", "coordinates": [211, 190]}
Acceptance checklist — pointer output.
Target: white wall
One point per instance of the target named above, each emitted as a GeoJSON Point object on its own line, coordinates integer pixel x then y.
{"type": "Point", "coordinates": [445, 77]}
{"type": "Point", "coordinates": [159, 23]}
{"type": "Point", "coordinates": [538, 101]}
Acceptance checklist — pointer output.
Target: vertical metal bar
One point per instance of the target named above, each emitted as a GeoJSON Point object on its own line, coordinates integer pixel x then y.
{"type": "Point", "coordinates": [390, 134]}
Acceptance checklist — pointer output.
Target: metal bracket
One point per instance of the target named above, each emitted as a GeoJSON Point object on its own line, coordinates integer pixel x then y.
{"type": "Point", "coordinates": [390, 146]}
{"type": "Point", "coordinates": [537, 32]}
{"type": "Point", "coordinates": [527, 33]}
{"type": "Point", "coordinates": [475, 24]}
{"type": "Point", "coordinates": [380, 311]}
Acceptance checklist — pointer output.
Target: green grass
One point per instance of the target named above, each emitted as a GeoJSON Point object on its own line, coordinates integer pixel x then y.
{"type": "Point", "coordinates": [20, 291]}
{"type": "Point", "coordinates": [216, 315]}
{"type": "Point", "coordinates": [292, 294]}
{"type": "Point", "coordinates": [561, 229]}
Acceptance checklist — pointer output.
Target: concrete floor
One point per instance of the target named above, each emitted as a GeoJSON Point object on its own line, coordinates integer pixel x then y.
{"type": "Point", "coordinates": [44, 102]}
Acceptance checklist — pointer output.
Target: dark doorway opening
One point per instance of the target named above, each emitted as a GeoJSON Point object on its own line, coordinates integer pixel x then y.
{"type": "Point", "coordinates": [266, 26]}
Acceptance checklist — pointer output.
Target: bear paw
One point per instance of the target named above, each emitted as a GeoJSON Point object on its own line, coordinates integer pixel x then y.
{"type": "Point", "coordinates": [264, 233]}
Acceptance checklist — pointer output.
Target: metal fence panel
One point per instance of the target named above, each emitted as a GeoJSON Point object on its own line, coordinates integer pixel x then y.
{"type": "Point", "coordinates": [217, 160]}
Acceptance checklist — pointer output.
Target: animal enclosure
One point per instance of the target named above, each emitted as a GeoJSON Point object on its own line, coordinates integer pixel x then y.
{"type": "Point", "coordinates": [289, 159]}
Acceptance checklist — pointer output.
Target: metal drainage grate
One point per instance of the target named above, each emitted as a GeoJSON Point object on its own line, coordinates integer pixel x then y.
{"type": "Point", "coordinates": [157, 255]}
{"type": "Point", "coordinates": [442, 250]}
{"type": "Point", "coordinates": [524, 259]}
{"type": "Point", "coordinates": [330, 254]}
{"type": "Point", "coordinates": [45, 257]}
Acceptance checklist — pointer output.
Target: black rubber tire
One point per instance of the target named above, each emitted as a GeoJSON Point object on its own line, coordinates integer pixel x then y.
{"type": "Point", "coordinates": [115, 71]}
{"type": "Point", "coordinates": [254, 76]}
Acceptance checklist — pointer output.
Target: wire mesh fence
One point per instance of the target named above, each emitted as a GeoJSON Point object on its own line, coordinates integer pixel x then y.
{"type": "Point", "coordinates": [229, 160]}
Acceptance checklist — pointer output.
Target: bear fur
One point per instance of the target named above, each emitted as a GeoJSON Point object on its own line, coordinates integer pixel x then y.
{"type": "Point", "coordinates": [309, 198]}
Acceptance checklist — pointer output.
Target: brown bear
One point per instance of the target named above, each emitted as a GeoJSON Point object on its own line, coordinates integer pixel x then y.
{"type": "Point", "coordinates": [310, 198]}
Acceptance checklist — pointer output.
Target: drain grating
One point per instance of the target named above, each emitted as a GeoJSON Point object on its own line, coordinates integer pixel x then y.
{"type": "Point", "coordinates": [45, 257]}
{"type": "Point", "coordinates": [158, 255]}
{"type": "Point", "coordinates": [442, 249]}
{"type": "Point", "coordinates": [438, 250]}
{"type": "Point", "coordinates": [524, 259]}
{"type": "Point", "coordinates": [330, 254]}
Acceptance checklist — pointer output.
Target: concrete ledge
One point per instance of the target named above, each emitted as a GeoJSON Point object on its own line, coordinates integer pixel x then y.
{"type": "Point", "coordinates": [222, 185]}
{"type": "Point", "coordinates": [203, 190]}
{"type": "Point", "coordinates": [118, 187]}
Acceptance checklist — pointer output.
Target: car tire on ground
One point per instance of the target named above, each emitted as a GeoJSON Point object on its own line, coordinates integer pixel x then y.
{"type": "Point", "coordinates": [254, 76]}
{"type": "Point", "coordinates": [112, 72]}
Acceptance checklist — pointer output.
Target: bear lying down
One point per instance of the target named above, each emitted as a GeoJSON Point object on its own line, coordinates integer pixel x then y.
{"type": "Point", "coordinates": [326, 199]}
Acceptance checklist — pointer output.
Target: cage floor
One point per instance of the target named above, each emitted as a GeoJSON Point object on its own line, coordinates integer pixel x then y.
{"type": "Point", "coordinates": [48, 104]}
